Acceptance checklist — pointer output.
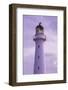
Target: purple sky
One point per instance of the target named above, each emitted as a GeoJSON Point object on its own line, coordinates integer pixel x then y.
{"type": "Point", "coordinates": [50, 46]}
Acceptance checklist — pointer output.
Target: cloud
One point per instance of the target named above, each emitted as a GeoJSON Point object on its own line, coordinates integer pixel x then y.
{"type": "Point", "coordinates": [29, 51]}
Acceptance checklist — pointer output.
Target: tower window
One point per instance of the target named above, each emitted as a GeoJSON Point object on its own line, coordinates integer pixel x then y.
{"type": "Point", "coordinates": [38, 67]}
{"type": "Point", "coordinates": [38, 46]}
{"type": "Point", "coordinates": [38, 57]}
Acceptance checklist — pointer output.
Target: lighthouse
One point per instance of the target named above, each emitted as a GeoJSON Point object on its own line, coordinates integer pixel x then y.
{"type": "Point", "coordinates": [39, 39]}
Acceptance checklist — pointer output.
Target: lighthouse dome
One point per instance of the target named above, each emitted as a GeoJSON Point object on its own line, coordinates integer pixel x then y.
{"type": "Point", "coordinates": [39, 28]}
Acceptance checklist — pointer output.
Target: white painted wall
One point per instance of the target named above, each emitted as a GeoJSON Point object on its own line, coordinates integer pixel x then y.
{"type": "Point", "coordinates": [4, 47]}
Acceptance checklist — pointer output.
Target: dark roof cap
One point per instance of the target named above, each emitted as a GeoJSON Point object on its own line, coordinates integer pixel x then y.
{"type": "Point", "coordinates": [40, 26]}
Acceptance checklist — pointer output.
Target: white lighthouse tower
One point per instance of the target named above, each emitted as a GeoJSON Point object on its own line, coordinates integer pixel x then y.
{"type": "Point", "coordinates": [39, 39]}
